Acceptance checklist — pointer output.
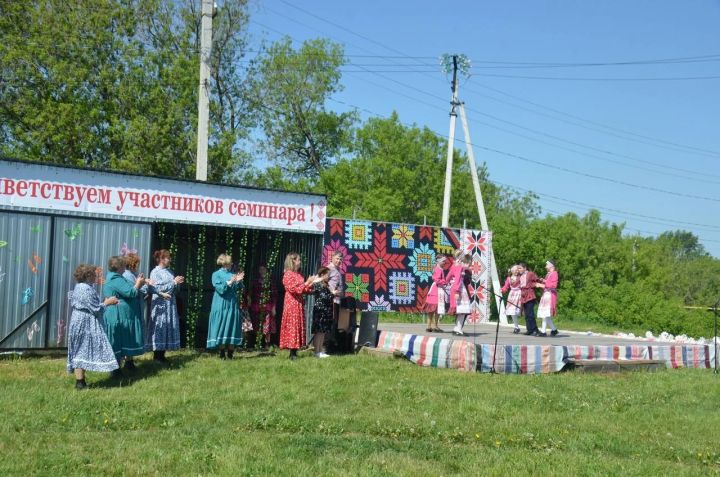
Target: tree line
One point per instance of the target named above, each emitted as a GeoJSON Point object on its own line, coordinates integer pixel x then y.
{"type": "Point", "coordinates": [113, 84]}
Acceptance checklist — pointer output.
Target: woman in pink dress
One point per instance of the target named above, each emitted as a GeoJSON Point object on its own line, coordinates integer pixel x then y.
{"type": "Point", "coordinates": [548, 302]}
{"type": "Point", "coordinates": [436, 300]}
{"type": "Point", "coordinates": [514, 299]}
{"type": "Point", "coordinates": [292, 328]}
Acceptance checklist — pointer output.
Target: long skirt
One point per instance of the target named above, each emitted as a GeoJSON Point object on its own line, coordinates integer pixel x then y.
{"type": "Point", "coordinates": [463, 306]}
{"type": "Point", "coordinates": [225, 327]}
{"type": "Point", "coordinates": [292, 327]}
{"type": "Point", "coordinates": [124, 330]}
{"type": "Point", "coordinates": [548, 304]}
{"type": "Point", "coordinates": [514, 299]}
{"type": "Point", "coordinates": [441, 306]}
{"type": "Point", "coordinates": [88, 347]}
{"type": "Point", "coordinates": [163, 327]}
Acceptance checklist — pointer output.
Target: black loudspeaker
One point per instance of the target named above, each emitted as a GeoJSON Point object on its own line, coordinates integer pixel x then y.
{"type": "Point", "coordinates": [368, 334]}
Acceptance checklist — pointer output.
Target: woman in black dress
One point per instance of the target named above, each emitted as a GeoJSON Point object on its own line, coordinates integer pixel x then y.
{"type": "Point", "coordinates": [322, 310]}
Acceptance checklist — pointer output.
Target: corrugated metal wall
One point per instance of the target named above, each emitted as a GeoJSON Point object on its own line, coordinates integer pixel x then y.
{"type": "Point", "coordinates": [32, 245]}
{"type": "Point", "coordinates": [79, 241]}
{"type": "Point", "coordinates": [24, 272]}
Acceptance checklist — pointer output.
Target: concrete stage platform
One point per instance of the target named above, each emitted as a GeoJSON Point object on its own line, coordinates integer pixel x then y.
{"type": "Point", "coordinates": [521, 354]}
{"type": "Point", "coordinates": [484, 333]}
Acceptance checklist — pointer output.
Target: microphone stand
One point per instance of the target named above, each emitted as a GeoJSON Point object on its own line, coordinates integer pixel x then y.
{"type": "Point", "coordinates": [497, 328]}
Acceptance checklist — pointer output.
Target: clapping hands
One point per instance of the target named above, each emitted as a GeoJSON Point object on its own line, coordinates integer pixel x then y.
{"type": "Point", "coordinates": [236, 278]}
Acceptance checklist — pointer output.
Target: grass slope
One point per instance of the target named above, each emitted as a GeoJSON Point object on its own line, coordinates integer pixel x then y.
{"type": "Point", "coordinates": [353, 415]}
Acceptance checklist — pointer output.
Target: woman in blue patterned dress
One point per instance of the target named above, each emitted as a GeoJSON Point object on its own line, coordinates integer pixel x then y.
{"type": "Point", "coordinates": [163, 327]}
{"type": "Point", "coordinates": [135, 332]}
{"type": "Point", "coordinates": [225, 327]}
{"type": "Point", "coordinates": [88, 346]}
{"type": "Point", "coordinates": [122, 323]}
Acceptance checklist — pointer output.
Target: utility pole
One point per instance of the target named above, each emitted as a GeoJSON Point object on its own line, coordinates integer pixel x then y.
{"type": "Point", "coordinates": [203, 94]}
{"type": "Point", "coordinates": [481, 210]}
{"type": "Point", "coordinates": [451, 141]}
{"type": "Point", "coordinates": [462, 64]}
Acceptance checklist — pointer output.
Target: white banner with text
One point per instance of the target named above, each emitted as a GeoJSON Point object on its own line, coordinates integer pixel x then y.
{"type": "Point", "coordinates": [49, 189]}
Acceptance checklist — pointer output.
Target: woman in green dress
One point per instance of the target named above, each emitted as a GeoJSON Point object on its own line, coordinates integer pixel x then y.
{"type": "Point", "coordinates": [225, 328]}
{"type": "Point", "coordinates": [122, 324]}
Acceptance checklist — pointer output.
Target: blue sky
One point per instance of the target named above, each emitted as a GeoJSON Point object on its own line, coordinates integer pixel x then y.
{"type": "Point", "coordinates": [644, 150]}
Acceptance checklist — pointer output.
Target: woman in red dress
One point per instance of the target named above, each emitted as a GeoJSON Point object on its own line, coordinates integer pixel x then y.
{"type": "Point", "coordinates": [292, 328]}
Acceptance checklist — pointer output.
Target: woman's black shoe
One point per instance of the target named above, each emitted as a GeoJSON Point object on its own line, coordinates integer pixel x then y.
{"type": "Point", "coordinates": [80, 384]}
{"type": "Point", "coordinates": [222, 354]}
{"type": "Point", "coordinates": [554, 332]}
{"type": "Point", "coordinates": [230, 354]}
{"type": "Point", "coordinates": [129, 365]}
{"type": "Point", "coordinates": [116, 374]}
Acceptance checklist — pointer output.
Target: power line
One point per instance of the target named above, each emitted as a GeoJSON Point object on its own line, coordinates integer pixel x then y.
{"type": "Point", "coordinates": [500, 184]}
{"type": "Point", "coordinates": [665, 222]}
{"type": "Point", "coordinates": [705, 174]}
{"type": "Point", "coordinates": [557, 214]}
{"type": "Point", "coordinates": [583, 174]}
{"type": "Point", "coordinates": [578, 121]}
{"type": "Point", "coordinates": [569, 78]}
{"type": "Point", "coordinates": [403, 55]}
{"type": "Point", "coordinates": [624, 212]}
{"type": "Point", "coordinates": [377, 73]}
{"type": "Point", "coordinates": [597, 177]}
{"type": "Point", "coordinates": [567, 170]}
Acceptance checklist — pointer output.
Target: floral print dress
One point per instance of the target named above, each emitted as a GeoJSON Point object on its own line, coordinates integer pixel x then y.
{"type": "Point", "coordinates": [88, 346]}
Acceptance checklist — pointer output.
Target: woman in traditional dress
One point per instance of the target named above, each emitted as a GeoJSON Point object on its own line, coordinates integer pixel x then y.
{"type": "Point", "coordinates": [514, 298]}
{"type": "Point", "coordinates": [459, 296]}
{"type": "Point", "coordinates": [263, 298]}
{"type": "Point", "coordinates": [225, 328]}
{"type": "Point", "coordinates": [88, 346]}
{"type": "Point", "coordinates": [436, 299]}
{"type": "Point", "coordinates": [132, 262]}
{"type": "Point", "coordinates": [123, 325]}
{"type": "Point", "coordinates": [292, 328]}
{"type": "Point", "coordinates": [163, 327]}
{"type": "Point", "coordinates": [322, 310]}
{"type": "Point", "coordinates": [548, 302]}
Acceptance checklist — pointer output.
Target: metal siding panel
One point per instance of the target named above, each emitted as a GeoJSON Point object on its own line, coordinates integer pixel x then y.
{"type": "Point", "coordinates": [23, 265]}
{"type": "Point", "coordinates": [79, 241]}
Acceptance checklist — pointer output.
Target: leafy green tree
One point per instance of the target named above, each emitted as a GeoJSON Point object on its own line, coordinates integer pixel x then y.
{"type": "Point", "coordinates": [113, 84]}
{"type": "Point", "coordinates": [290, 89]}
{"type": "Point", "coordinates": [397, 173]}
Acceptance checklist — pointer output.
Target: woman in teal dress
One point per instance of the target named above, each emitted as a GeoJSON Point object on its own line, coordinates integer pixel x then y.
{"type": "Point", "coordinates": [225, 328]}
{"type": "Point", "coordinates": [121, 321]}
{"type": "Point", "coordinates": [132, 262]}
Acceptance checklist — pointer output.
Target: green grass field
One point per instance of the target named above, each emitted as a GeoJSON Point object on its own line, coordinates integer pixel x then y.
{"type": "Point", "coordinates": [353, 415]}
